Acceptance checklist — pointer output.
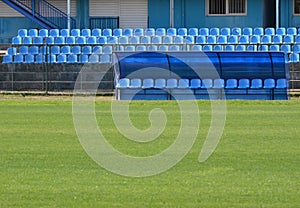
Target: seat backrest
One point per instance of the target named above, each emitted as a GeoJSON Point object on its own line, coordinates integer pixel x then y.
{"type": "Point", "coordinates": [172, 31]}
{"type": "Point", "coordinates": [207, 83]}
{"type": "Point", "coordinates": [248, 31]}
{"type": "Point", "coordinates": [160, 83]}
{"type": "Point", "coordinates": [256, 83]}
{"type": "Point", "coordinates": [244, 83]}
{"type": "Point", "coordinates": [148, 83]}
{"type": "Point", "coordinates": [269, 83]}
{"type": "Point", "coordinates": [136, 83]}
{"type": "Point", "coordinates": [96, 32]}
{"type": "Point", "coordinates": [86, 32]}
{"type": "Point", "coordinates": [123, 83]}
{"type": "Point", "coordinates": [193, 31]}
{"type": "Point", "coordinates": [218, 83]}
{"type": "Point", "coordinates": [195, 83]}
{"type": "Point", "coordinates": [281, 83]}
{"type": "Point", "coordinates": [171, 83]}
{"type": "Point", "coordinates": [75, 32]}
{"type": "Point", "coordinates": [231, 83]}
{"type": "Point", "coordinates": [183, 83]}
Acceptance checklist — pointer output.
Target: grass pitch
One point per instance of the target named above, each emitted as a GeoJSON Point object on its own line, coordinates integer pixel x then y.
{"type": "Point", "coordinates": [256, 164]}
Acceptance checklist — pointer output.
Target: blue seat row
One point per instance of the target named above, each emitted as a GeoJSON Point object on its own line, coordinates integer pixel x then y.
{"type": "Point", "coordinates": [171, 83]}
{"type": "Point", "coordinates": [60, 58]}
{"type": "Point", "coordinates": [159, 31]}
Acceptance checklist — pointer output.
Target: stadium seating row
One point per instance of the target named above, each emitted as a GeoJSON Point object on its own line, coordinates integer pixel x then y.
{"type": "Point", "coordinates": [167, 39]}
{"type": "Point", "coordinates": [158, 31]}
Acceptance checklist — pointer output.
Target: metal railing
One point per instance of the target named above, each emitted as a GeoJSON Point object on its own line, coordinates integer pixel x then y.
{"type": "Point", "coordinates": [104, 22]}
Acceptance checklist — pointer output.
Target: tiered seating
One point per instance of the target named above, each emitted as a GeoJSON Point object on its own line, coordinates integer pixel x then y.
{"type": "Point", "coordinates": [217, 75]}
{"type": "Point", "coordinates": [150, 39]}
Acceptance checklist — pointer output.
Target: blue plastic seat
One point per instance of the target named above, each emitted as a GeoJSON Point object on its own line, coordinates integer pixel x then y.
{"type": "Point", "coordinates": [244, 84]}
{"type": "Point", "coordinates": [44, 50]}
{"type": "Point", "coordinates": [59, 40]}
{"type": "Point", "coordinates": [86, 32]}
{"type": "Point", "coordinates": [244, 39]}
{"type": "Point", "coordinates": [51, 58]}
{"type": "Point", "coordinates": [214, 31]}
{"type": "Point", "coordinates": [236, 31]}
{"type": "Point", "coordinates": [167, 39]}
{"type": "Point", "coordinates": [207, 48]}
{"type": "Point", "coordinates": [269, 83]}
{"type": "Point", "coordinates": [189, 39]}
{"type": "Point", "coordinates": [81, 40]}
{"type": "Point", "coordinates": [207, 83]}
{"type": "Point", "coordinates": [150, 32]}
{"type": "Point", "coordinates": [218, 48]}
{"type": "Point", "coordinates": [258, 31]}
{"type": "Point", "coordinates": [7, 59]}
{"type": "Point", "coordinates": [40, 58]}
{"type": "Point", "coordinates": [43, 33]}
{"type": "Point", "coordinates": [266, 39]}
{"type": "Point", "coordinates": [17, 40]}
{"type": "Point", "coordinates": [70, 40]}
{"type": "Point", "coordinates": [274, 48]}
{"type": "Point", "coordinates": [195, 83]}
{"type": "Point", "coordinates": [128, 32]}
{"type": "Point", "coordinates": [291, 31]}
{"type": "Point", "coordinates": [55, 49]}
{"type": "Point", "coordinates": [174, 48]}
{"type": "Point", "coordinates": [65, 49]}
{"type": "Point", "coordinates": [281, 83]}
{"type": "Point", "coordinates": [222, 39]}
{"type": "Point", "coordinates": [65, 32]}
{"type": "Point", "coordinates": [240, 48]}
{"type": "Point", "coordinates": [96, 32]}
{"type": "Point", "coordinates": [34, 50]}
{"type": "Point", "coordinates": [140, 48]}
{"type": "Point", "coordinates": [152, 48]}
{"type": "Point", "coordinates": [123, 39]}
{"type": "Point", "coordinates": [29, 58]}
{"type": "Point", "coordinates": [27, 40]}
{"type": "Point", "coordinates": [297, 39]}
{"type": "Point", "coordinates": [50, 40]}
{"type": "Point", "coordinates": [94, 58]}
{"type": "Point", "coordinates": [263, 48]}
{"type": "Point", "coordinates": [251, 47]}
{"type": "Point", "coordinates": [256, 83]}
{"type": "Point", "coordinates": [145, 39]}
{"type": "Point", "coordinates": [248, 31]}
{"type": "Point", "coordinates": [138, 32]}
{"type": "Point", "coordinates": [72, 58]}
{"type": "Point", "coordinates": [136, 83]}
{"type": "Point", "coordinates": [231, 84]}
{"type": "Point", "coordinates": [23, 50]}
{"type": "Point", "coordinates": [296, 48]}
{"type": "Point", "coordinates": [22, 33]}
{"type": "Point", "coordinates": [61, 58]}
{"type": "Point", "coordinates": [91, 40]}
{"type": "Point", "coordinates": [112, 40]}
{"type": "Point", "coordinates": [160, 83]}
{"type": "Point", "coordinates": [38, 40]}
{"type": "Point", "coordinates": [281, 31]}
{"type": "Point", "coordinates": [84, 58]}
{"type": "Point", "coordinates": [86, 50]}
{"type": "Point", "coordinates": [118, 48]}
{"type": "Point", "coordinates": [129, 48]}
{"type": "Point", "coordinates": [233, 39]}
{"type": "Point", "coordinates": [12, 51]}
{"type": "Point", "coordinates": [184, 83]}
{"type": "Point", "coordinates": [204, 31]}
{"type": "Point", "coordinates": [160, 31]}
{"type": "Point", "coordinates": [294, 57]}
{"type": "Point", "coordinates": [218, 83]}
{"type": "Point", "coordinates": [107, 32]}
{"type": "Point", "coordinates": [102, 40]}
{"type": "Point", "coordinates": [33, 32]}
{"type": "Point", "coordinates": [54, 32]}
{"type": "Point", "coordinates": [134, 40]}
{"type": "Point", "coordinates": [285, 48]}
{"type": "Point", "coordinates": [171, 83]}
{"type": "Point", "coordinates": [118, 32]}
{"type": "Point", "coordinates": [211, 39]}
{"type": "Point", "coordinates": [107, 50]}
{"type": "Point", "coordinates": [123, 83]}
{"type": "Point", "coordinates": [229, 48]}
{"type": "Point", "coordinates": [288, 39]}
{"type": "Point", "coordinates": [97, 49]}
{"type": "Point", "coordinates": [196, 48]}
{"type": "Point", "coordinates": [148, 83]}
{"type": "Point", "coordinates": [254, 39]}
{"type": "Point", "coordinates": [277, 39]}
{"type": "Point", "coordinates": [270, 31]}
{"type": "Point", "coordinates": [225, 31]}
{"type": "Point", "coordinates": [163, 48]}
{"type": "Point", "coordinates": [76, 49]}
{"type": "Point", "coordinates": [156, 40]}
{"type": "Point", "coordinates": [19, 58]}
{"type": "Point", "coordinates": [193, 31]}
{"type": "Point", "coordinates": [75, 32]}
{"type": "Point", "coordinates": [171, 31]}
{"type": "Point", "coordinates": [182, 32]}
{"type": "Point", "coordinates": [179, 39]}
{"type": "Point", "coordinates": [201, 39]}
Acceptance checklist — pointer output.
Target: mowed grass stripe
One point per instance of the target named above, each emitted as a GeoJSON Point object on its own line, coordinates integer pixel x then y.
{"type": "Point", "coordinates": [256, 164]}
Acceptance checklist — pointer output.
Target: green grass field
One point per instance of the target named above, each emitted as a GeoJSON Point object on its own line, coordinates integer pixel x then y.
{"type": "Point", "coordinates": [256, 164]}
